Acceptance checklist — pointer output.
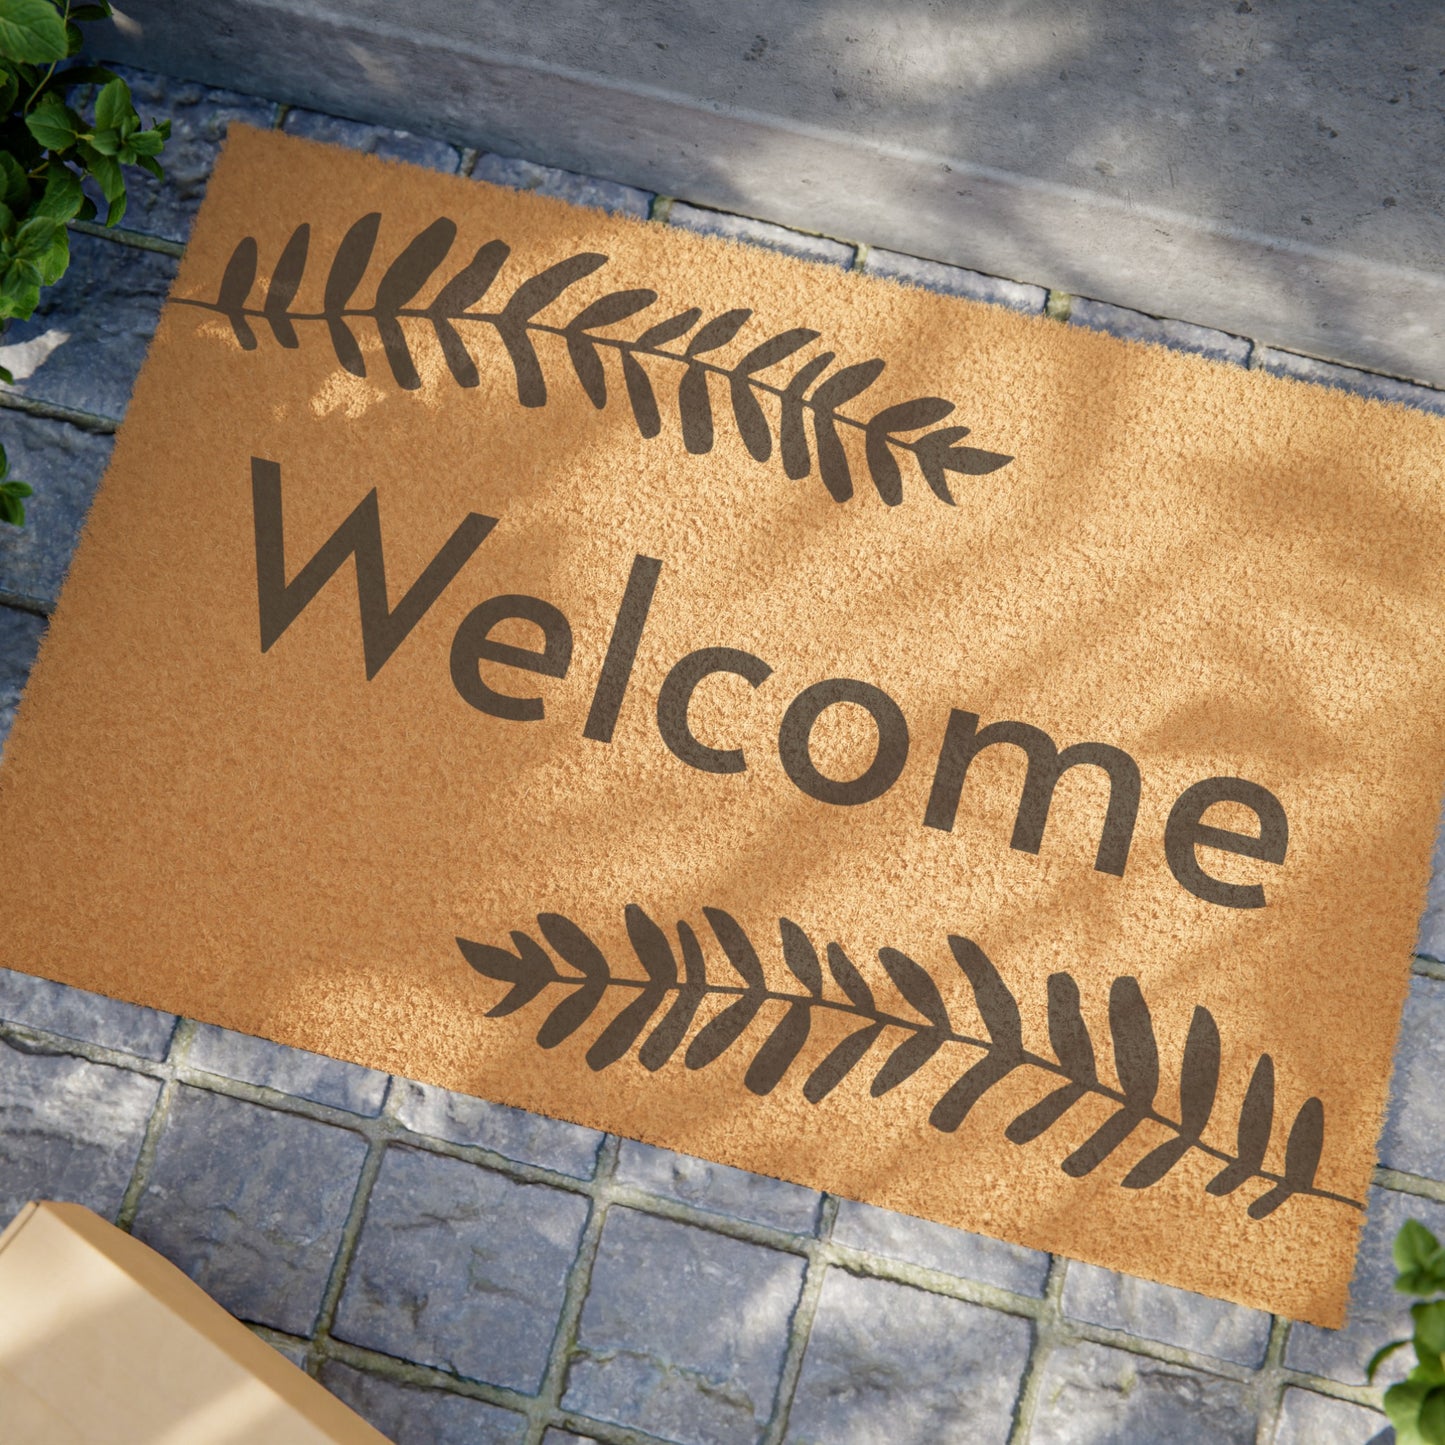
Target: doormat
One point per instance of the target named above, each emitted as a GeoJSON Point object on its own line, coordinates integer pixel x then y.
{"type": "Point", "coordinates": [935, 755]}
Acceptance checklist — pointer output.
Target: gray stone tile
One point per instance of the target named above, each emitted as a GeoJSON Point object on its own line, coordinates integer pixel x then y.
{"type": "Point", "coordinates": [20, 634]}
{"type": "Point", "coordinates": [520, 175]}
{"type": "Point", "coordinates": [566, 1437]}
{"type": "Point", "coordinates": [936, 1246]}
{"type": "Point", "coordinates": [289, 1350]}
{"type": "Point", "coordinates": [1414, 1137]}
{"type": "Point", "coordinates": [291, 1071]}
{"type": "Point", "coordinates": [199, 117]}
{"type": "Point", "coordinates": [461, 1268]}
{"type": "Point", "coordinates": [1171, 1316]}
{"type": "Point", "coordinates": [1306, 1418]}
{"type": "Point", "coordinates": [513, 1133]}
{"type": "Point", "coordinates": [250, 1202]}
{"type": "Point", "coordinates": [75, 1014]}
{"type": "Point", "coordinates": [69, 1130]}
{"type": "Point", "coordinates": [1092, 1395]}
{"type": "Point", "coordinates": [953, 280]}
{"type": "Point", "coordinates": [1179, 335]}
{"type": "Point", "coordinates": [412, 1415]}
{"type": "Point", "coordinates": [1431, 940]}
{"type": "Point", "coordinates": [1346, 378]}
{"type": "Point", "coordinates": [886, 1362]}
{"type": "Point", "coordinates": [684, 1331]}
{"type": "Point", "coordinates": [87, 339]}
{"type": "Point", "coordinates": [760, 233]}
{"type": "Point", "coordinates": [718, 1187]}
{"type": "Point", "coordinates": [1378, 1313]}
{"type": "Point", "coordinates": [373, 140]}
{"type": "Point", "coordinates": [64, 465]}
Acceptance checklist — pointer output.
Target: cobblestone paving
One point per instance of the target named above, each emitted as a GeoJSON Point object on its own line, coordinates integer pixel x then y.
{"type": "Point", "coordinates": [467, 1274]}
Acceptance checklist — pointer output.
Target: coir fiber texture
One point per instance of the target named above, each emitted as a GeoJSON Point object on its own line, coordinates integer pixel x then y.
{"type": "Point", "coordinates": [935, 755]}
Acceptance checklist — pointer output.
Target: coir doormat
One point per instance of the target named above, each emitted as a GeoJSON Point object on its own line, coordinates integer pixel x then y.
{"type": "Point", "coordinates": [935, 755]}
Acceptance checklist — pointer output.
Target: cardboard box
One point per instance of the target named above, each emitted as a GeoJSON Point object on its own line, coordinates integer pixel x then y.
{"type": "Point", "coordinates": [104, 1342]}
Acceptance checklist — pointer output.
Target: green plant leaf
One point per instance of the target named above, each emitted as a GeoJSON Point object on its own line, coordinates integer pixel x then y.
{"type": "Point", "coordinates": [53, 123]}
{"type": "Point", "coordinates": [1402, 1405]}
{"type": "Point", "coordinates": [17, 489]}
{"type": "Point", "coordinates": [147, 142]}
{"type": "Point", "coordinates": [12, 510]}
{"type": "Point", "coordinates": [151, 164]}
{"type": "Point", "coordinates": [14, 185]}
{"type": "Point", "coordinates": [1432, 1417]}
{"type": "Point", "coordinates": [35, 237]}
{"type": "Point", "coordinates": [113, 105]}
{"type": "Point", "coordinates": [1381, 1355]}
{"type": "Point", "coordinates": [107, 173]}
{"type": "Point", "coordinates": [85, 13]}
{"type": "Point", "coordinates": [55, 260]}
{"type": "Point", "coordinates": [9, 89]}
{"type": "Point", "coordinates": [4, 460]}
{"type": "Point", "coordinates": [74, 40]}
{"type": "Point", "coordinates": [31, 30]}
{"type": "Point", "coordinates": [63, 197]}
{"type": "Point", "coordinates": [107, 142]}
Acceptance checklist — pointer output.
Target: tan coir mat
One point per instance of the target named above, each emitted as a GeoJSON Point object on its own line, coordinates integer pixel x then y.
{"type": "Point", "coordinates": [931, 754]}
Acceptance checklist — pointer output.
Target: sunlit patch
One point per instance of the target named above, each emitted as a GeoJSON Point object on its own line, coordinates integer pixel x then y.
{"type": "Point", "coordinates": [25, 358]}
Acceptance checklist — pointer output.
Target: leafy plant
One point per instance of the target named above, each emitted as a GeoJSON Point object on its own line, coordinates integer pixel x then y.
{"type": "Point", "coordinates": [660, 349]}
{"type": "Point", "coordinates": [12, 493]}
{"type": "Point", "coordinates": [1416, 1406]}
{"type": "Point", "coordinates": [911, 1041]}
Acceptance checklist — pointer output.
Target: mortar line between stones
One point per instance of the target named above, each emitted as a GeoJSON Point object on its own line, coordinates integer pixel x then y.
{"type": "Point", "coordinates": [547, 1406]}
{"type": "Point", "coordinates": [467, 158]}
{"type": "Point", "coordinates": [124, 236]}
{"type": "Point", "coordinates": [1403, 1183]}
{"type": "Point", "coordinates": [179, 1047]}
{"type": "Point", "coordinates": [800, 1327]}
{"type": "Point", "coordinates": [49, 411]}
{"type": "Point", "coordinates": [17, 602]}
{"type": "Point", "coordinates": [1046, 1325]}
{"type": "Point", "coordinates": [1428, 968]}
{"type": "Point", "coordinates": [1269, 1386]}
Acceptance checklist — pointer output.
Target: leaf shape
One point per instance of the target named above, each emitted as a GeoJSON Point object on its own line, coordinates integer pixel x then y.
{"type": "Point", "coordinates": [236, 283]}
{"type": "Point", "coordinates": [1136, 1051]}
{"type": "Point", "coordinates": [848, 978]}
{"type": "Point", "coordinates": [1301, 1159]}
{"type": "Point", "coordinates": [587, 365]}
{"type": "Point", "coordinates": [472, 282]}
{"type": "Point", "coordinates": [650, 945]}
{"type": "Point", "coordinates": [614, 307]}
{"type": "Point", "coordinates": [974, 463]}
{"type": "Point", "coordinates": [454, 352]}
{"type": "Point", "coordinates": [529, 970]}
{"type": "Point", "coordinates": [913, 982]}
{"type": "Point", "coordinates": [1042, 1116]}
{"type": "Point", "coordinates": [1256, 1123]}
{"type": "Point", "coordinates": [526, 301]}
{"type": "Point", "coordinates": [1068, 1033]}
{"type": "Point", "coordinates": [839, 1063]}
{"type": "Point", "coordinates": [695, 407]}
{"type": "Point", "coordinates": [906, 1060]}
{"type": "Point", "coordinates": [829, 395]}
{"type": "Point", "coordinates": [719, 331]}
{"type": "Point", "coordinates": [792, 433]}
{"type": "Point", "coordinates": [801, 957]}
{"type": "Point", "coordinates": [670, 329]}
{"type": "Point", "coordinates": [624, 1030]}
{"type": "Point", "coordinates": [779, 1050]}
{"type": "Point", "coordinates": [738, 947]}
{"type": "Point", "coordinates": [906, 416]}
{"type": "Point", "coordinates": [641, 396]}
{"type": "Point", "coordinates": [1158, 1162]}
{"type": "Point", "coordinates": [406, 275]}
{"type": "Point", "coordinates": [752, 423]}
{"type": "Point", "coordinates": [285, 280]}
{"type": "Point", "coordinates": [669, 1034]}
{"type": "Point", "coordinates": [571, 1014]}
{"type": "Point", "coordinates": [1102, 1143]}
{"type": "Point", "coordinates": [952, 1109]}
{"type": "Point", "coordinates": [348, 266]}
{"type": "Point", "coordinates": [844, 385]}
{"type": "Point", "coordinates": [995, 1003]}
{"type": "Point", "coordinates": [1199, 1073]}
{"type": "Point", "coordinates": [720, 1033]}
{"type": "Point", "coordinates": [931, 451]}
{"type": "Point", "coordinates": [775, 349]}
{"type": "Point", "coordinates": [574, 946]}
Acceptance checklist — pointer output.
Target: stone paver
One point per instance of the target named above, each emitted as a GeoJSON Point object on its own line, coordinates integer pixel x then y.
{"type": "Point", "coordinates": [1179, 335]}
{"type": "Point", "coordinates": [1346, 378]}
{"type": "Point", "coordinates": [75, 1014]}
{"type": "Point", "coordinates": [936, 1246]}
{"type": "Point", "coordinates": [1378, 1312]}
{"type": "Point", "coordinates": [684, 1331]}
{"type": "Point", "coordinates": [461, 1268]}
{"type": "Point", "coordinates": [953, 280]}
{"type": "Point", "coordinates": [886, 1362]}
{"type": "Point", "coordinates": [411, 1415]}
{"type": "Point", "coordinates": [513, 1133]}
{"type": "Point", "coordinates": [520, 175]}
{"type": "Point", "coordinates": [1306, 1418]}
{"type": "Point", "coordinates": [1093, 1395]}
{"type": "Point", "coordinates": [1414, 1137]}
{"type": "Point", "coordinates": [374, 140]}
{"type": "Point", "coordinates": [69, 1130]}
{"type": "Point", "coordinates": [250, 1203]}
{"type": "Point", "coordinates": [199, 117]}
{"type": "Point", "coordinates": [108, 301]}
{"type": "Point", "coordinates": [761, 233]}
{"type": "Point", "coordinates": [717, 1187]}
{"type": "Point", "coordinates": [1431, 939]}
{"type": "Point", "coordinates": [20, 634]}
{"type": "Point", "coordinates": [1171, 1316]}
{"type": "Point", "coordinates": [64, 464]}
{"type": "Point", "coordinates": [289, 1071]}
